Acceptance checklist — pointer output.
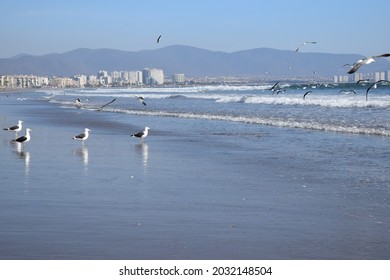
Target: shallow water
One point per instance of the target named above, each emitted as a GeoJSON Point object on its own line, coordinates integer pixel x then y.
{"type": "Point", "coordinates": [199, 187]}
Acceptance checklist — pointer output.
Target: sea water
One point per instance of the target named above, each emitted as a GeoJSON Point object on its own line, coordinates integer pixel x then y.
{"type": "Point", "coordinates": [324, 108]}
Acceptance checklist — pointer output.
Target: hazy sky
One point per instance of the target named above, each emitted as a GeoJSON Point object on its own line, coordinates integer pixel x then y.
{"type": "Point", "coordinates": [339, 26]}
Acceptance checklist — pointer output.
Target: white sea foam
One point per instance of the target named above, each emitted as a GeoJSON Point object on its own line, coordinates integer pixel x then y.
{"type": "Point", "coordinates": [286, 123]}
{"type": "Point", "coordinates": [257, 96]}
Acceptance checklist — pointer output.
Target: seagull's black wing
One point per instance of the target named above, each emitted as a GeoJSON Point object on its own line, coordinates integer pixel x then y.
{"type": "Point", "coordinates": [12, 127]}
{"type": "Point", "coordinates": [355, 67]}
{"type": "Point", "coordinates": [106, 104]}
{"type": "Point", "coordinates": [273, 87]}
{"type": "Point", "coordinates": [374, 85]}
{"type": "Point", "coordinates": [363, 81]}
{"type": "Point", "coordinates": [80, 136]}
{"type": "Point", "coordinates": [158, 39]}
{"type": "Point", "coordinates": [139, 134]}
{"type": "Point", "coordinates": [21, 139]}
{"type": "Point", "coordinates": [306, 94]}
{"type": "Point", "coordinates": [383, 55]}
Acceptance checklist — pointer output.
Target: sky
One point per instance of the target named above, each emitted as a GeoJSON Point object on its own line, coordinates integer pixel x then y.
{"type": "Point", "coordinates": [338, 26]}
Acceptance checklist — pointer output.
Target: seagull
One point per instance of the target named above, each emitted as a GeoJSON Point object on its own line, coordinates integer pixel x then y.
{"type": "Point", "coordinates": [141, 134]}
{"type": "Point", "coordinates": [274, 86]}
{"type": "Point", "coordinates": [279, 91]}
{"type": "Point", "coordinates": [15, 128]}
{"type": "Point", "coordinates": [158, 39]}
{"type": "Point", "coordinates": [347, 91]}
{"type": "Point", "coordinates": [141, 99]}
{"type": "Point", "coordinates": [99, 109]}
{"type": "Point", "coordinates": [306, 94]}
{"type": "Point", "coordinates": [77, 103]}
{"type": "Point", "coordinates": [363, 81]}
{"type": "Point", "coordinates": [374, 85]}
{"type": "Point", "coordinates": [364, 61]}
{"type": "Point", "coordinates": [305, 43]}
{"type": "Point", "coordinates": [24, 139]}
{"type": "Point", "coordinates": [82, 136]}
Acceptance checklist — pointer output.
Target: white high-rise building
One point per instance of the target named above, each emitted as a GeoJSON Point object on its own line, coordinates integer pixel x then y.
{"type": "Point", "coordinates": [153, 76]}
{"type": "Point", "coordinates": [178, 78]}
{"type": "Point", "coordinates": [135, 77]}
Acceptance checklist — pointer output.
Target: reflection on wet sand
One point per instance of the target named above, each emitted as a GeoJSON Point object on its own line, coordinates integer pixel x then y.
{"type": "Point", "coordinates": [25, 155]}
{"type": "Point", "coordinates": [142, 149]}
{"type": "Point", "coordinates": [82, 152]}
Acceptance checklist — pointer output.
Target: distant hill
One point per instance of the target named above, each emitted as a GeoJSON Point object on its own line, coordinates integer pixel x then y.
{"type": "Point", "coordinates": [193, 62]}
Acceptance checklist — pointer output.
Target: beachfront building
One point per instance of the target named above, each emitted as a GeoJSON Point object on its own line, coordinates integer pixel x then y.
{"type": "Point", "coordinates": [60, 82]}
{"type": "Point", "coordinates": [80, 80]}
{"type": "Point", "coordinates": [92, 81]}
{"type": "Point", "coordinates": [341, 79]}
{"type": "Point", "coordinates": [178, 78]}
{"type": "Point", "coordinates": [23, 81]}
{"type": "Point", "coordinates": [135, 77]}
{"type": "Point", "coordinates": [379, 76]}
{"type": "Point", "coordinates": [153, 76]}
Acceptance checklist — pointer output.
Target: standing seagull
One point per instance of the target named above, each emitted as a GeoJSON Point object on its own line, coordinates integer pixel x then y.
{"type": "Point", "coordinates": [82, 136]}
{"type": "Point", "coordinates": [158, 39]}
{"type": "Point", "coordinates": [364, 61]}
{"type": "Point", "coordinates": [24, 139]}
{"type": "Point", "coordinates": [15, 128]}
{"type": "Point", "coordinates": [77, 103]}
{"type": "Point", "coordinates": [141, 134]}
{"type": "Point", "coordinates": [141, 99]}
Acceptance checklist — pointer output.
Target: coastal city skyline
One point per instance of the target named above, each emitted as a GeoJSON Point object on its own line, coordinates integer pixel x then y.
{"type": "Point", "coordinates": [153, 77]}
{"type": "Point", "coordinates": [42, 27]}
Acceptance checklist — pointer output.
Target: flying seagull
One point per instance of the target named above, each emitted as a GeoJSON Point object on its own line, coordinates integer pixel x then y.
{"type": "Point", "coordinates": [158, 39]}
{"type": "Point", "coordinates": [141, 134]}
{"type": "Point", "coordinates": [106, 104]}
{"type": "Point", "coordinates": [307, 92]}
{"type": "Point", "coordinates": [15, 128]}
{"type": "Point", "coordinates": [303, 44]}
{"type": "Point", "coordinates": [347, 91]}
{"type": "Point", "coordinates": [362, 81]}
{"type": "Point", "coordinates": [141, 99]}
{"type": "Point", "coordinates": [364, 61]}
{"type": "Point", "coordinates": [374, 85]}
{"type": "Point", "coordinates": [274, 86]}
{"type": "Point", "coordinates": [82, 136]}
{"type": "Point", "coordinates": [25, 138]}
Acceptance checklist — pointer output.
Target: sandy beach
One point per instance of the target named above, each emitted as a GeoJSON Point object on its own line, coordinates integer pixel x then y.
{"type": "Point", "coordinates": [186, 193]}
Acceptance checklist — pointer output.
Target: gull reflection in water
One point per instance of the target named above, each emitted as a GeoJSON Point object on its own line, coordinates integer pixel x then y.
{"type": "Point", "coordinates": [142, 149]}
{"type": "Point", "coordinates": [25, 155]}
{"type": "Point", "coordinates": [82, 152]}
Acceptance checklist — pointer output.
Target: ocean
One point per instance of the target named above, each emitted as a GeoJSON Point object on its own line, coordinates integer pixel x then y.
{"type": "Point", "coordinates": [227, 172]}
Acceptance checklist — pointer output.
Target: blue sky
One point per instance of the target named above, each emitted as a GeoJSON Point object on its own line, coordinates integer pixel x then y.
{"type": "Point", "coordinates": [339, 26]}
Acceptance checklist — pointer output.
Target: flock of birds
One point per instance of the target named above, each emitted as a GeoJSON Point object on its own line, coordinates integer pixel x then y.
{"type": "Point", "coordinates": [276, 89]}
{"type": "Point", "coordinates": [353, 68]}
{"type": "Point", "coordinates": [80, 137]}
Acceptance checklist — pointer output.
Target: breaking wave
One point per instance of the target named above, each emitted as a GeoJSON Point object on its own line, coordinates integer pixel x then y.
{"type": "Point", "coordinates": [263, 121]}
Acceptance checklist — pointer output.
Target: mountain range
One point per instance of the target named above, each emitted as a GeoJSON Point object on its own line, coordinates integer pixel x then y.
{"type": "Point", "coordinates": [193, 62]}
